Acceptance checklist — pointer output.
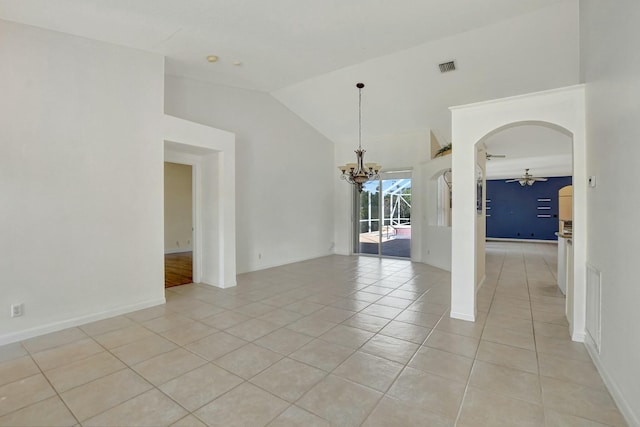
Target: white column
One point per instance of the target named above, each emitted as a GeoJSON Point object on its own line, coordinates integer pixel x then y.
{"type": "Point", "coordinates": [463, 231]}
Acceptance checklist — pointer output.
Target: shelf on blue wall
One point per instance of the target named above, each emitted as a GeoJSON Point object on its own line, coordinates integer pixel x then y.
{"type": "Point", "coordinates": [529, 212]}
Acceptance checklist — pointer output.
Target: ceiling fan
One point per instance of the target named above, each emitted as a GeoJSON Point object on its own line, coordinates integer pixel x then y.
{"type": "Point", "coordinates": [526, 179]}
{"type": "Point", "coordinates": [495, 156]}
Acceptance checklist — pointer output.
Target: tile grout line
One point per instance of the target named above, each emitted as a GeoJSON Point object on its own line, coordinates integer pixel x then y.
{"type": "Point", "coordinates": [466, 388]}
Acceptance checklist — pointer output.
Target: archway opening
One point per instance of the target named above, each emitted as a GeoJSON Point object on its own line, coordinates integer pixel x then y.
{"type": "Point", "coordinates": [526, 251]}
{"type": "Point", "coordinates": [563, 108]}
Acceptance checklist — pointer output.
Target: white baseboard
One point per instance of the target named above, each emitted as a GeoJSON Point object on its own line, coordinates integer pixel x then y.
{"type": "Point", "coordinates": [284, 262]}
{"type": "Point", "coordinates": [498, 239]}
{"type": "Point", "coordinates": [623, 405]}
{"type": "Point", "coordinates": [578, 336]}
{"type": "Point", "coordinates": [230, 285]}
{"type": "Point", "coordinates": [436, 264]}
{"type": "Point", "coordinates": [177, 250]}
{"type": "Point", "coordinates": [463, 316]}
{"type": "Point", "coordinates": [76, 321]}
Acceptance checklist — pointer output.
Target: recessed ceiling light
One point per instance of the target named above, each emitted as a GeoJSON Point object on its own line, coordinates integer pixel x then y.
{"type": "Point", "coordinates": [212, 58]}
{"type": "Point", "coordinates": [237, 63]}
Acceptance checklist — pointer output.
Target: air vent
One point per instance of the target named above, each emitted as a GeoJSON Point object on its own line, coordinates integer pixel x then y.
{"type": "Point", "coordinates": [447, 66]}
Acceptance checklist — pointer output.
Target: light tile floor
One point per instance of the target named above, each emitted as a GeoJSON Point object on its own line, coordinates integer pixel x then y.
{"type": "Point", "coordinates": [342, 341]}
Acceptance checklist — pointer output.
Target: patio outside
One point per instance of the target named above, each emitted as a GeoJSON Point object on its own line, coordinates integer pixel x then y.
{"type": "Point", "coordinates": [386, 229]}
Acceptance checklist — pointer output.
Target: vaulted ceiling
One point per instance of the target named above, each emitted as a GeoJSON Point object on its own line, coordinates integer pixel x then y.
{"type": "Point", "coordinates": [310, 54]}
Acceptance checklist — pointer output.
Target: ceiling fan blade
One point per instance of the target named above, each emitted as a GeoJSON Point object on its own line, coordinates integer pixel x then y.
{"type": "Point", "coordinates": [512, 180]}
{"type": "Point", "coordinates": [539, 179]}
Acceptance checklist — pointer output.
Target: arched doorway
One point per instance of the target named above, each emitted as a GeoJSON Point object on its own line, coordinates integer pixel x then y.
{"type": "Point", "coordinates": [562, 109]}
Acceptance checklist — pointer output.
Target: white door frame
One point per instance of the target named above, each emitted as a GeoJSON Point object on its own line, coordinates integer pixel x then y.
{"type": "Point", "coordinates": [211, 152]}
{"type": "Point", "coordinates": [172, 156]}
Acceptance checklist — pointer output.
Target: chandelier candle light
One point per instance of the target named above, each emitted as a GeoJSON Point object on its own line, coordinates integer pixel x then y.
{"type": "Point", "coordinates": [358, 173]}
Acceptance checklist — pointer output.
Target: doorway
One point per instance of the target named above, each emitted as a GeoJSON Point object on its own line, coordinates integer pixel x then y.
{"type": "Point", "coordinates": [561, 109]}
{"type": "Point", "coordinates": [383, 223]}
{"type": "Point", "coordinates": [178, 224]}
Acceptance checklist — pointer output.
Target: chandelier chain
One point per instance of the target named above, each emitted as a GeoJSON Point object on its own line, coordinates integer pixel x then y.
{"type": "Point", "coordinates": [359, 117]}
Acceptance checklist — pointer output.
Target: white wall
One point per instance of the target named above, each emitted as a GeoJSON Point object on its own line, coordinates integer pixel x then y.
{"type": "Point", "coordinates": [611, 70]}
{"type": "Point", "coordinates": [285, 172]}
{"type": "Point", "coordinates": [405, 90]}
{"type": "Point", "coordinates": [81, 166]}
{"type": "Point", "coordinates": [398, 152]}
{"type": "Point", "coordinates": [435, 239]}
{"type": "Point", "coordinates": [178, 215]}
{"type": "Point", "coordinates": [560, 108]}
{"type": "Point", "coordinates": [481, 220]}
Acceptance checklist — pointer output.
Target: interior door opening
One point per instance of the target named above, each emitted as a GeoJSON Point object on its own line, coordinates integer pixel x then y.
{"type": "Point", "coordinates": [178, 224]}
{"type": "Point", "coordinates": [383, 223]}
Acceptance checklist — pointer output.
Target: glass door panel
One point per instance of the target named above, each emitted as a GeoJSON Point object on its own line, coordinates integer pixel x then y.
{"type": "Point", "coordinates": [369, 219]}
{"type": "Point", "coordinates": [384, 216]}
{"type": "Point", "coordinates": [395, 240]}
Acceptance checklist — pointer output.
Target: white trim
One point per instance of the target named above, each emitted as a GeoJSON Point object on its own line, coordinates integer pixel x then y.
{"type": "Point", "coordinates": [294, 260]}
{"type": "Point", "coordinates": [578, 336]}
{"type": "Point", "coordinates": [177, 251]}
{"type": "Point", "coordinates": [499, 239]}
{"type": "Point", "coordinates": [185, 158]}
{"type": "Point", "coordinates": [463, 316]}
{"type": "Point", "coordinates": [214, 285]}
{"type": "Point", "coordinates": [525, 96]}
{"type": "Point", "coordinates": [435, 264]}
{"type": "Point", "coordinates": [618, 397]}
{"type": "Point", "coordinates": [77, 321]}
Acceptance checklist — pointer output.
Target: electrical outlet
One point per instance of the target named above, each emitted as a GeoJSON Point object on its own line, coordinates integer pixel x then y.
{"type": "Point", "coordinates": [17, 310]}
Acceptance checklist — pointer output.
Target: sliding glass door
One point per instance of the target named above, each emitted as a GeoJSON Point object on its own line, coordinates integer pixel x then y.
{"type": "Point", "coordinates": [383, 216]}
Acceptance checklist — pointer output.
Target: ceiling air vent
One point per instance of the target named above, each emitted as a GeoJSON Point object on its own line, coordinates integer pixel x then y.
{"type": "Point", "coordinates": [447, 66]}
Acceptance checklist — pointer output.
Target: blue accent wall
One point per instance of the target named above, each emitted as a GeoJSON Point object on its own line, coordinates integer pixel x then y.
{"type": "Point", "coordinates": [529, 212]}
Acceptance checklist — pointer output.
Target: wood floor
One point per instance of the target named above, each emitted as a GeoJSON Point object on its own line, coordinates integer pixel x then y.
{"type": "Point", "coordinates": [178, 269]}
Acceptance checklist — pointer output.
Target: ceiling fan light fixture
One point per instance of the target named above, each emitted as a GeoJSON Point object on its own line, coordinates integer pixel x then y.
{"type": "Point", "coordinates": [527, 179]}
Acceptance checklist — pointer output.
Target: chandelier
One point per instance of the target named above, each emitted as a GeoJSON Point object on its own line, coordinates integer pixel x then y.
{"type": "Point", "coordinates": [358, 173]}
